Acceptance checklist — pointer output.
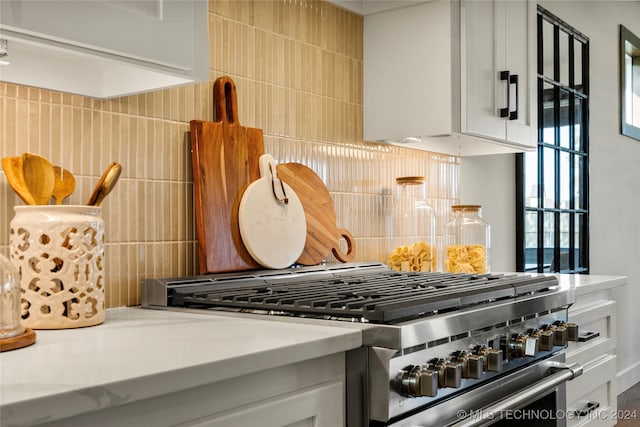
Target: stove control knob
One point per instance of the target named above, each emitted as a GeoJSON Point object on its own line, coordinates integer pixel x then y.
{"type": "Point", "coordinates": [560, 336]}
{"type": "Point", "coordinates": [472, 364]}
{"type": "Point", "coordinates": [475, 366]}
{"type": "Point", "coordinates": [521, 345]}
{"type": "Point", "coordinates": [545, 338]}
{"type": "Point", "coordinates": [572, 332]}
{"type": "Point", "coordinates": [559, 333]}
{"type": "Point", "coordinates": [419, 381]}
{"type": "Point", "coordinates": [491, 358]}
{"type": "Point", "coordinates": [552, 329]}
{"type": "Point", "coordinates": [428, 383]}
{"type": "Point", "coordinates": [572, 329]}
{"type": "Point", "coordinates": [449, 372]}
{"type": "Point", "coordinates": [494, 360]}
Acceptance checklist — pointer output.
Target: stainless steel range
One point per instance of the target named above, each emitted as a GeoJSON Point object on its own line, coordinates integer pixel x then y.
{"type": "Point", "coordinates": [438, 349]}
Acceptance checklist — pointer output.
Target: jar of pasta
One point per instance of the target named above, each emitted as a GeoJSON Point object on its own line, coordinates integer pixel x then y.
{"type": "Point", "coordinates": [411, 228]}
{"type": "Point", "coordinates": [467, 241]}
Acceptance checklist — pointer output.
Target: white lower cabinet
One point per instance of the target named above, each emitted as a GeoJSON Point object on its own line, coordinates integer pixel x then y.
{"type": "Point", "coordinates": [317, 406]}
{"type": "Point", "coordinates": [592, 397]}
{"type": "Point", "coordinates": [307, 393]}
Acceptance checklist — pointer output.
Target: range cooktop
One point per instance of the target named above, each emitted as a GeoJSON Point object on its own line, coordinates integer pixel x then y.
{"type": "Point", "coordinates": [352, 292]}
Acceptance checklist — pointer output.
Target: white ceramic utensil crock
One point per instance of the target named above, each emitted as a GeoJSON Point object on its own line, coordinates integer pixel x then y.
{"type": "Point", "coordinates": [59, 253]}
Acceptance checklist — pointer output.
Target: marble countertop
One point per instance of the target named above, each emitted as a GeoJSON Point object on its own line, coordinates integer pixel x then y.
{"type": "Point", "coordinates": [138, 353]}
{"type": "Point", "coordinates": [586, 283]}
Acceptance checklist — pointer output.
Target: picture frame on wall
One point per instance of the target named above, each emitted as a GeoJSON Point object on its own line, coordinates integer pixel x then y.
{"type": "Point", "coordinates": [629, 83]}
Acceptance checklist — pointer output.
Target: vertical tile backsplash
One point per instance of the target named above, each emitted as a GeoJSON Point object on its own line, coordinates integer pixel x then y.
{"type": "Point", "coordinates": [298, 70]}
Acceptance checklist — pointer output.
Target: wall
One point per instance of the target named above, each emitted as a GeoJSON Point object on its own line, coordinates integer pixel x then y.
{"type": "Point", "coordinates": [488, 181]}
{"type": "Point", "coordinates": [614, 174]}
{"type": "Point", "coordinates": [297, 66]}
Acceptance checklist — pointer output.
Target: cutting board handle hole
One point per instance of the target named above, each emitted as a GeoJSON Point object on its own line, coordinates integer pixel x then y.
{"type": "Point", "coordinates": [344, 236]}
{"type": "Point", "coordinates": [225, 100]}
{"type": "Point", "coordinates": [229, 96]}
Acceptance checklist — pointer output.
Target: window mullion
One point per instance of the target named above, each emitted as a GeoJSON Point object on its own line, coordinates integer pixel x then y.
{"type": "Point", "coordinates": [566, 161]}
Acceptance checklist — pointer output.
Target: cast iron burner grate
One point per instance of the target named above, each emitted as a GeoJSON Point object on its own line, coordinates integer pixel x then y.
{"type": "Point", "coordinates": [377, 297]}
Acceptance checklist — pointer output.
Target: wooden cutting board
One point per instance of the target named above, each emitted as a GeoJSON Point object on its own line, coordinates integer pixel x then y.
{"type": "Point", "coordinates": [225, 157]}
{"type": "Point", "coordinates": [323, 235]}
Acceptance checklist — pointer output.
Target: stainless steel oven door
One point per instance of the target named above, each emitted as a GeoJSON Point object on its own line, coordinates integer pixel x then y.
{"type": "Point", "coordinates": [532, 396]}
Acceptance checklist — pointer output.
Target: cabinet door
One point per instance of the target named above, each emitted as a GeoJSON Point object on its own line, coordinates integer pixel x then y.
{"type": "Point", "coordinates": [409, 72]}
{"type": "Point", "coordinates": [593, 393]}
{"type": "Point", "coordinates": [156, 31]}
{"type": "Point", "coordinates": [321, 406]}
{"type": "Point", "coordinates": [597, 325]}
{"type": "Point", "coordinates": [480, 97]}
{"type": "Point", "coordinates": [520, 53]}
{"type": "Point", "coordinates": [105, 48]}
{"type": "Point", "coordinates": [496, 70]}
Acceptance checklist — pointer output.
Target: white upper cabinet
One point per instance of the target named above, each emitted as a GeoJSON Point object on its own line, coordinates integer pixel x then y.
{"type": "Point", "coordinates": [452, 77]}
{"type": "Point", "coordinates": [105, 48]}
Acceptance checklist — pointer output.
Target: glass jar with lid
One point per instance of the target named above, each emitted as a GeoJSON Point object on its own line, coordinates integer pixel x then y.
{"type": "Point", "coordinates": [467, 244]}
{"type": "Point", "coordinates": [10, 308]}
{"type": "Point", "coordinates": [13, 334]}
{"type": "Point", "coordinates": [411, 228]}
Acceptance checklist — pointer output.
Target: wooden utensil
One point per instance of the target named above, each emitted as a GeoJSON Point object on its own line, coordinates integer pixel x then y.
{"type": "Point", "coordinates": [271, 218]}
{"type": "Point", "coordinates": [323, 234]}
{"type": "Point", "coordinates": [13, 170]}
{"type": "Point", "coordinates": [225, 157]}
{"type": "Point", "coordinates": [65, 184]}
{"type": "Point", "coordinates": [105, 184]}
{"type": "Point", "coordinates": [38, 176]}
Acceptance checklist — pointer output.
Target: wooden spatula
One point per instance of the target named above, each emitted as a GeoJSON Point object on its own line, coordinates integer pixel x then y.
{"type": "Point", "coordinates": [12, 167]}
{"type": "Point", "coordinates": [65, 184]}
{"type": "Point", "coordinates": [38, 176]}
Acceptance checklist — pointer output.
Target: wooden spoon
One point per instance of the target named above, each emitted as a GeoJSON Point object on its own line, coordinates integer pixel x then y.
{"type": "Point", "coordinates": [38, 175]}
{"type": "Point", "coordinates": [65, 183]}
{"type": "Point", "coordinates": [13, 171]}
{"type": "Point", "coordinates": [105, 185]}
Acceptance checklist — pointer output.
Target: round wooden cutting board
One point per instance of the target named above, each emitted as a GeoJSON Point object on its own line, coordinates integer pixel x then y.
{"type": "Point", "coordinates": [272, 230]}
{"type": "Point", "coordinates": [323, 235]}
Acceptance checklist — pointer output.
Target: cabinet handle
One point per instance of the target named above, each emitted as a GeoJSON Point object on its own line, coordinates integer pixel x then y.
{"type": "Point", "coordinates": [589, 407]}
{"type": "Point", "coordinates": [588, 336]}
{"type": "Point", "coordinates": [504, 76]}
{"type": "Point", "coordinates": [511, 79]}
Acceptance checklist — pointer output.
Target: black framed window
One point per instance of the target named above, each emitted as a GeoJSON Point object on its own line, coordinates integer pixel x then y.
{"type": "Point", "coordinates": [552, 183]}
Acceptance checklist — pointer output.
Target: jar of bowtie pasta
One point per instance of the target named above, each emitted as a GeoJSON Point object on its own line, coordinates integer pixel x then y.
{"type": "Point", "coordinates": [466, 246]}
{"type": "Point", "coordinates": [411, 228]}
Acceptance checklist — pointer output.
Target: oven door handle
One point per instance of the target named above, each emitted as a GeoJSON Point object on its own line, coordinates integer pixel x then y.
{"type": "Point", "coordinates": [491, 414]}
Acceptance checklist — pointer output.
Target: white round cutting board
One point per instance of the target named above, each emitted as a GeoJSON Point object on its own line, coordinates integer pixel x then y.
{"type": "Point", "coordinates": [273, 232]}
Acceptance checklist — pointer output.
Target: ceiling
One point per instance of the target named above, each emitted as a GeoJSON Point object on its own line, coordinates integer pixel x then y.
{"type": "Point", "coordinates": [367, 7]}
